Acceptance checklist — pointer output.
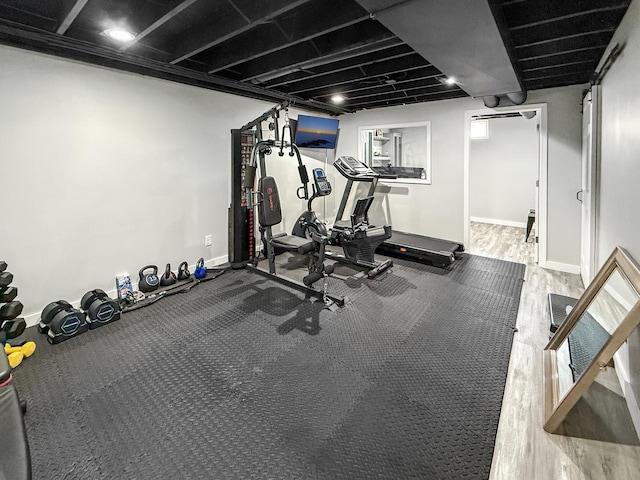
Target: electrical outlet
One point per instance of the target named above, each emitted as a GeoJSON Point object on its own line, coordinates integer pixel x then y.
{"type": "Point", "coordinates": [207, 240]}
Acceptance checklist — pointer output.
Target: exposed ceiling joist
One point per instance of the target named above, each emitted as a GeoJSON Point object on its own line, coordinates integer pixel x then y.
{"type": "Point", "coordinates": [328, 59]}
{"type": "Point", "coordinates": [337, 68]}
{"type": "Point", "coordinates": [206, 39]}
{"type": "Point", "coordinates": [167, 17]}
{"type": "Point", "coordinates": [75, 7]}
{"type": "Point", "coordinates": [228, 58]}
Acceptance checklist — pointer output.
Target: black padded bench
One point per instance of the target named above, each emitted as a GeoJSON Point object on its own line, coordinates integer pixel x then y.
{"type": "Point", "coordinates": [15, 460]}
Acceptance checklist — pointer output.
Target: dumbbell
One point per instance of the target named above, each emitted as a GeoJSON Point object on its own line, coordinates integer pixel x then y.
{"type": "Point", "coordinates": [3, 265]}
{"type": "Point", "coordinates": [10, 310]}
{"type": "Point", "coordinates": [49, 312]}
{"type": "Point", "coordinates": [13, 328]}
{"type": "Point", "coordinates": [5, 278]}
{"type": "Point", "coordinates": [60, 321]}
{"type": "Point", "coordinates": [100, 308]}
{"type": "Point", "coordinates": [7, 294]}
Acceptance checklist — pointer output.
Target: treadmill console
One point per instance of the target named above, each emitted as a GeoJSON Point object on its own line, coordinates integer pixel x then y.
{"type": "Point", "coordinates": [323, 187]}
{"type": "Point", "coordinates": [352, 168]}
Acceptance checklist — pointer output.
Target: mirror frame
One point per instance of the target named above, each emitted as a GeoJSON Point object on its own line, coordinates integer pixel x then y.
{"type": "Point", "coordinates": [556, 408]}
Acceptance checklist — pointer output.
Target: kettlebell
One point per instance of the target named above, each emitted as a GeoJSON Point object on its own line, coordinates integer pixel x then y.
{"type": "Point", "coordinates": [148, 281]}
{"type": "Point", "coordinates": [183, 272]}
{"type": "Point", "coordinates": [200, 271]}
{"type": "Point", "coordinates": [168, 277]}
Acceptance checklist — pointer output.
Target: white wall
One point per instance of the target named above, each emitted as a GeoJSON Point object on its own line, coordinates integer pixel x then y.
{"type": "Point", "coordinates": [503, 170]}
{"type": "Point", "coordinates": [437, 210]}
{"type": "Point", "coordinates": [617, 215]}
{"type": "Point", "coordinates": [104, 172]}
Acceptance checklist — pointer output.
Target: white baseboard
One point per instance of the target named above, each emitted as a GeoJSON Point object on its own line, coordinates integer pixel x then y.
{"type": "Point", "coordinates": [562, 267]}
{"type": "Point", "coordinates": [494, 221]}
{"type": "Point", "coordinates": [33, 318]}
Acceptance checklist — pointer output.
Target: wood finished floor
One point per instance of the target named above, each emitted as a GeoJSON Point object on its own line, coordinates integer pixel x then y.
{"type": "Point", "coordinates": [523, 449]}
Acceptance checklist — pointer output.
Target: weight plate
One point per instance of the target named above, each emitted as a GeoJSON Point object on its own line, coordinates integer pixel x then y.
{"type": "Point", "coordinates": [87, 299]}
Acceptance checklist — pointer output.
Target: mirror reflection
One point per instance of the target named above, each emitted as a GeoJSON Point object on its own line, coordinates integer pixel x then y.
{"type": "Point", "coordinates": [594, 328]}
{"type": "Point", "coordinates": [400, 150]}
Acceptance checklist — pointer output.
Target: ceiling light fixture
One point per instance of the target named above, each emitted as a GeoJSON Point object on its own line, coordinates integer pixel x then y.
{"type": "Point", "coordinates": [450, 81]}
{"type": "Point", "coordinates": [119, 34]}
{"type": "Point", "coordinates": [337, 98]}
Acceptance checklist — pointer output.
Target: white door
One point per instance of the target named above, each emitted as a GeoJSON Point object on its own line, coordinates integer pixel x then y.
{"type": "Point", "coordinates": [587, 193]}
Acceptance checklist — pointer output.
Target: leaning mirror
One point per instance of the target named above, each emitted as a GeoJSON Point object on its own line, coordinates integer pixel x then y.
{"type": "Point", "coordinates": [585, 343]}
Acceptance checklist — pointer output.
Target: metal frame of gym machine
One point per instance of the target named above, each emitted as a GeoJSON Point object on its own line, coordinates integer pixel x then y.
{"type": "Point", "coordinates": [242, 245]}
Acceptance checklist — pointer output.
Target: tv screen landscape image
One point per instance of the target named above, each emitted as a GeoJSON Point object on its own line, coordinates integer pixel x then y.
{"type": "Point", "coordinates": [316, 132]}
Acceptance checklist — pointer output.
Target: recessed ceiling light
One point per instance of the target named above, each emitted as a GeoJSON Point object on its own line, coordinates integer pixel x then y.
{"type": "Point", "coordinates": [337, 98]}
{"type": "Point", "coordinates": [446, 80]}
{"type": "Point", "coordinates": [119, 34]}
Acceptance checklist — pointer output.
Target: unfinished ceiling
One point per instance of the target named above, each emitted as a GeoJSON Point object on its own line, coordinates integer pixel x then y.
{"type": "Point", "coordinates": [310, 50]}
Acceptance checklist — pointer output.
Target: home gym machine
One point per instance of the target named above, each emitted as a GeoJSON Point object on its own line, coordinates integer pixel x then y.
{"type": "Point", "coordinates": [357, 237]}
{"type": "Point", "coordinates": [417, 248]}
{"type": "Point", "coordinates": [249, 151]}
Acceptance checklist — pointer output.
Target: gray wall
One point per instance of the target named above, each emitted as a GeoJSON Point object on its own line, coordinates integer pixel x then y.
{"type": "Point", "coordinates": [104, 172]}
{"type": "Point", "coordinates": [503, 170]}
{"type": "Point", "coordinates": [617, 215]}
{"type": "Point", "coordinates": [437, 210]}
{"type": "Point", "coordinates": [564, 111]}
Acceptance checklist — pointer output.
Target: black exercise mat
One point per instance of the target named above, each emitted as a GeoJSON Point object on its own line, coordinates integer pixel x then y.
{"type": "Point", "coordinates": [243, 378]}
{"type": "Point", "coordinates": [585, 341]}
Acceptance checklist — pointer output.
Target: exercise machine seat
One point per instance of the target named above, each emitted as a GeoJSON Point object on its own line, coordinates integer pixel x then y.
{"type": "Point", "coordinates": [270, 214]}
{"type": "Point", "coordinates": [293, 243]}
{"type": "Point", "coordinates": [15, 459]}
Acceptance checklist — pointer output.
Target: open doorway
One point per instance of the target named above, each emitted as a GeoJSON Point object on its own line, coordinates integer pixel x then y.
{"type": "Point", "coordinates": [505, 182]}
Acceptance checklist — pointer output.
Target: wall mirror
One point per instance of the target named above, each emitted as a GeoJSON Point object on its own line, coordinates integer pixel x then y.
{"type": "Point", "coordinates": [585, 343]}
{"type": "Point", "coordinates": [403, 150]}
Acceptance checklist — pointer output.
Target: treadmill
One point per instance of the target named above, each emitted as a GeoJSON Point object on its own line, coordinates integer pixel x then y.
{"type": "Point", "coordinates": [409, 246]}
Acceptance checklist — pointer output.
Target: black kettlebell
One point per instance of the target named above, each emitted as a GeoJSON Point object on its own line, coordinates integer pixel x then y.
{"type": "Point", "coordinates": [183, 272]}
{"type": "Point", "coordinates": [148, 281]}
{"type": "Point", "coordinates": [168, 277]}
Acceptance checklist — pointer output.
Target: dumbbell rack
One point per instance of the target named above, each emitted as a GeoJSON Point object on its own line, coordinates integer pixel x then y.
{"type": "Point", "coordinates": [11, 325]}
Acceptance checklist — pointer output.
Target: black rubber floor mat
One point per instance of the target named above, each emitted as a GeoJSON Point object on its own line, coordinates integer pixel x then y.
{"type": "Point", "coordinates": [585, 341]}
{"type": "Point", "coordinates": [243, 378]}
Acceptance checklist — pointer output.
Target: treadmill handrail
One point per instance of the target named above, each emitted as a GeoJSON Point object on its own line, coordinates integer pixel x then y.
{"type": "Point", "coordinates": [347, 172]}
{"type": "Point", "coordinates": [366, 174]}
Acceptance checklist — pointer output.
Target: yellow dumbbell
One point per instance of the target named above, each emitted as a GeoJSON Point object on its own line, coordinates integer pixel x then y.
{"type": "Point", "coordinates": [15, 359]}
{"type": "Point", "coordinates": [26, 350]}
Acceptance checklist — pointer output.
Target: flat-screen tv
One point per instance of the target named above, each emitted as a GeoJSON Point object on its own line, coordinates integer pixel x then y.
{"type": "Point", "coordinates": [316, 132]}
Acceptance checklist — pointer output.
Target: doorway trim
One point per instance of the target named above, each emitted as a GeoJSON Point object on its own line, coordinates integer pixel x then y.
{"type": "Point", "coordinates": [541, 214]}
{"type": "Point", "coordinates": [589, 181]}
